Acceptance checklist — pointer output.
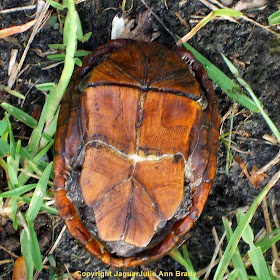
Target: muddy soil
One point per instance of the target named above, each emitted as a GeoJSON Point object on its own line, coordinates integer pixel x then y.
{"type": "Point", "coordinates": [255, 52]}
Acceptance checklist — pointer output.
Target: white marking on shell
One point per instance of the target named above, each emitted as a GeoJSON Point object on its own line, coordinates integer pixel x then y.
{"type": "Point", "coordinates": [137, 158]}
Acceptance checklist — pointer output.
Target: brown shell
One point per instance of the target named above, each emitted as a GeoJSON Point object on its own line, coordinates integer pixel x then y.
{"type": "Point", "coordinates": [135, 137]}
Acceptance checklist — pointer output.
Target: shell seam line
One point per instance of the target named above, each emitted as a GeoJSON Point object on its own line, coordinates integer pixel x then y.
{"type": "Point", "coordinates": [134, 157]}
{"type": "Point", "coordinates": [146, 88]}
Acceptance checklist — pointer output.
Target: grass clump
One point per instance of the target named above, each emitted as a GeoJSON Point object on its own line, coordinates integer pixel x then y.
{"type": "Point", "coordinates": [21, 163]}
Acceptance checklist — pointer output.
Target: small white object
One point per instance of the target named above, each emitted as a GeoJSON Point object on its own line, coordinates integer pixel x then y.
{"type": "Point", "coordinates": [118, 26]}
{"type": "Point", "coordinates": [40, 7]}
{"type": "Point", "coordinates": [12, 61]}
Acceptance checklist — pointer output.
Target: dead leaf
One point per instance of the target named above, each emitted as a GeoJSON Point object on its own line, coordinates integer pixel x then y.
{"type": "Point", "coordinates": [12, 62]}
{"type": "Point", "coordinates": [257, 178]}
{"type": "Point", "coordinates": [251, 4]}
{"type": "Point", "coordinates": [276, 268]}
{"type": "Point", "coordinates": [16, 29]}
{"type": "Point", "coordinates": [77, 275]}
{"type": "Point", "coordinates": [139, 28]}
{"type": "Point", "coordinates": [19, 269]}
{"type": "Point", "coordinates": [270, 138]}
{"type": "Point", "coordinates": [254, 178]}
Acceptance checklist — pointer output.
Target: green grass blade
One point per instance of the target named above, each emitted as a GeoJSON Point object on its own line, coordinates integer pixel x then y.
{"type": "Point", "coordinates": [13, 176]}
{"type": "Point", "coordinates": [3, 127]}
{"type": "Point", "coordinates": [47, 136]}
{"type": "Point", "coordinates": [223, 81]}
{"type": "Point", "coordinates": [255, 253]}
{"type": "Point", "coordinates": [78, 61]}
{"type": "Point", "coordinates": [191, 271]}
{"type": "Point", "coordinates": [38, 195]}
{"type": "Point", "coordinates": [46, 86]}
{"type": "Point", "coordinates": [229, 157]}
{"type": "Point", "coordinates": [234, 275]}
{"type": "Point", "coordinates": [231, 247]}
{"type": "Point", "coordinates": [51, 260]}
{"type": "Point", "coordinates": [43, 152]}
{"type": "Point", "coordinates": [35, 248]}
{"type": "Point", "coordinates": [79, 31]}
{"type": "Point", "coordinates": [49, 131]}
{"type": "Point", "coordinates": [271, 125]}
{"type": "Point", "coordinates": [258, 263]}
{"type": "Point", "coordinates": [25, 154]}
{"type": "Point", "coordinates": [35, 137]}
{"type": "Point", "coordinates": [11, 136]}
{"type": "Point", "coordinates": [86, 37]}
{"type": "Point", "coordinates": [55, 5]}
{"type": "Point", "coordinates": [24, 176]}
{"type": "Point", "coordinates": [34, 167]}
{"type": "Point", "coordinates": [17, 158]}
{"type": "Point", "coordinates": [61, 56]}
{"type": "Point", "coordinates": [274, 19]}
{"type": "Point", "coordinates": [18, 191]}
{"type": "Point", "coordinates": [4, 147]}
{"type": "Point", "coordinates": [70, 40]}
{"type": "Point", "coordinates": [270, 239]}
{"type": "Point", "coordinates": [236, 257]}
{"type": "Point", "coordinates": [13, 92]}
{"type": "Point", "coordinates": [57, 46]}
{"type": "Point", "coordinates": [14, 212]}
{"type": "Point", "coordinates": [247, 235]}
{"type": "Point", "coordinates": [27, 255]}
{"type": "Point", "coordinates": [43, 207]}
{"type": "Point", "coordinates": [176, 255]}
{"type": "Point", "coordinates": [19, 114]}
{"type": "Point", "coordinates": [227, 12]}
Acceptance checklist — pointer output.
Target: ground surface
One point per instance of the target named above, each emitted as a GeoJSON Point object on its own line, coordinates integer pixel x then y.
{"type": "Point", "coordinates": [256, 54]}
